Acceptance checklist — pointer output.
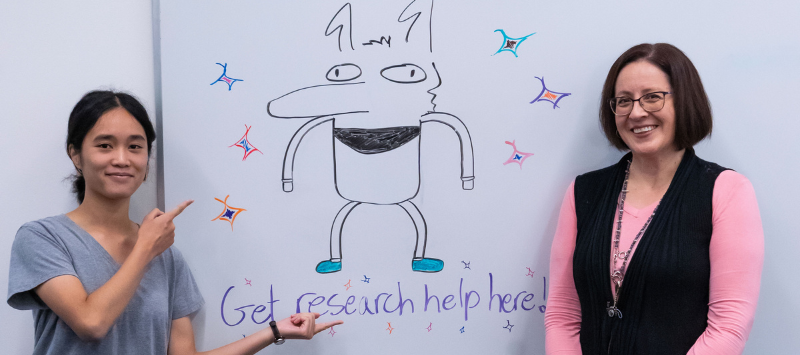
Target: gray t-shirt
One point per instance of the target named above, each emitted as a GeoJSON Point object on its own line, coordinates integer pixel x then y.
{"type": "Point", "coordinates": [56, 246]}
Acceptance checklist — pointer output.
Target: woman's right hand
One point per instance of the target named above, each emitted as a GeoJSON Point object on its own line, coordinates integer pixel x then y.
{"type": "Point", "coordinates": [303, 326]}
{"type": "Point", "coordinates": [157, 232]}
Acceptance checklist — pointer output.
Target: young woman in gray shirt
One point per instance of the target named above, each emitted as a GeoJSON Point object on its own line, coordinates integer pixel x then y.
{"type": "Point", "coordinates": [97, 282]}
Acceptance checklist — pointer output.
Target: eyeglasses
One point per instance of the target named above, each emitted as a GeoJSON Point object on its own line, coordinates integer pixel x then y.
{"type": "Point", "coordinates": [650, 102]}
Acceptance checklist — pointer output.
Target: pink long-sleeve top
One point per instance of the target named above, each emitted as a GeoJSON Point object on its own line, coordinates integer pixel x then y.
{"type": "Point", "coordinates": [736, 253]}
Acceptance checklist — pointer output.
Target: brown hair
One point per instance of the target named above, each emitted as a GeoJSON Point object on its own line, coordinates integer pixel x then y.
{"type": "Point", "coordinates": [692, 109]}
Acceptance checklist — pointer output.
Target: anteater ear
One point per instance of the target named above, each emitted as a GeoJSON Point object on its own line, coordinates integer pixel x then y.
{"type": "Point", "coordinates": [343, 22]}
{"type": "Point", "coordinates": [413, 12]}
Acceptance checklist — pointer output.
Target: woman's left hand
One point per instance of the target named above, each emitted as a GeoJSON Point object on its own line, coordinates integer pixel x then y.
{"type": "Point", "coordinates": [303, 326]}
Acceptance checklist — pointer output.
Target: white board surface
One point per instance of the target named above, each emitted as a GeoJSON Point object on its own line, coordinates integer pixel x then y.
{"type": "Point", "coordinates": [542, 95]}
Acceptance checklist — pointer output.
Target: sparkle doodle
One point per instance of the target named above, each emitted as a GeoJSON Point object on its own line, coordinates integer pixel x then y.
{"type": "Point", "coordinates": [530, 272]}
{"type": "Point", "coordinates": [511, 44]}
{"type": "Point", "coordinates": [245, 144]}
{"type": "Point", "coordinates": [549, 96]}
{"type": "Point", "coordinates": [229, 213]}
{"type": "Point", "coordinates": [225, 78]}
{"type": "Point", "coordinates": [517, 156]}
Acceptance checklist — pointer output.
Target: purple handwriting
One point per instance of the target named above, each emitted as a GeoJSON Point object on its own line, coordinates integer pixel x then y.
{"type": "Point", "coordinates": [244, 309]}
{"type": "Point", "coordinates": [435, 298]}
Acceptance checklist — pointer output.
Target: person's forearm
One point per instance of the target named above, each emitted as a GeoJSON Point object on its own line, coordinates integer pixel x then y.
{"type": "Point", "coordinates": [245, 346]}
{"type": "Point", "coordinates": [106, 304]}
{"type": "Point", "coordinates": [562, 319]}
{"type": "Point", "coordinates": [90, 316]}
{"type": "Point", "coordinates": [182, 341]}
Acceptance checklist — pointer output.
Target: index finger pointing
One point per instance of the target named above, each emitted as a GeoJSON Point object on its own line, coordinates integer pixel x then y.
{"type": "Point", "coordinates": [177, 210]}
{"type": "Point", "coordinates": [322, 326]}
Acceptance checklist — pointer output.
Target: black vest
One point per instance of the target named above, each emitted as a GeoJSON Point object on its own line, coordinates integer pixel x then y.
{"type": "Point", "coordinates": [664, 296]}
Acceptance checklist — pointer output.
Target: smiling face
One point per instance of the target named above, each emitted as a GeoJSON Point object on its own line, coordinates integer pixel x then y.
{"type": "Point", "coordinates": [648, 133]}
{"type": "Point", "coordinates": [113, 156]}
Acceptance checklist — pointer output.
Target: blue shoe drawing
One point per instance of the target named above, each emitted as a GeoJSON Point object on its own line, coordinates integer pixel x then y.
{"type": "Point", "coordinates": [427, 265]}
{"type": "Point", "coordinates": [327, 266]}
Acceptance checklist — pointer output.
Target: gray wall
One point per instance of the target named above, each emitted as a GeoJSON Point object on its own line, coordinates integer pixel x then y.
{"type": "Point", "coordinates": [51, 53]}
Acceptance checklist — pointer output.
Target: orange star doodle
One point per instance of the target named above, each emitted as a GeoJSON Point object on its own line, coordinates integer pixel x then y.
{"type": "Point", "coordinates": [390, 329]}
{"type": "Point", "coordinates": [228, 213]}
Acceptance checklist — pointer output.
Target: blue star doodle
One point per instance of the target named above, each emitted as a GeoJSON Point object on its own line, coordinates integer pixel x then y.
{"type": "Point", "coordinates": [508, 326]}
{"type": "Point", "coordinates": [462, 330]}
{"type": "Point", "coordinates": [225, 78]}
{"type": "Point", "coordinates": [548, 95]}
{"type": "Point", "coordinates": [466, 264]}
{"type": "Point", "coordinates": [366, 279]}
{"type": "Point", "coordinates": [511, 44]}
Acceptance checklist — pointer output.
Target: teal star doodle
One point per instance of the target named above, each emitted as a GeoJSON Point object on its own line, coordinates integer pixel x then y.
{"type": "Point", "coordinates": [511, 44]}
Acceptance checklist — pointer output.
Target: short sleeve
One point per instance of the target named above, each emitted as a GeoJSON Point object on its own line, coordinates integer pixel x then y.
{"type": "Point", "coordinates": [186, 298]}
{"type": "Point", "coordinates": [37, 255]}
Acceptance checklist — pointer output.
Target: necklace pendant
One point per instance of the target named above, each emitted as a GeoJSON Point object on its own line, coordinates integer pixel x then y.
{"type": "Point", "coordinates": [613, 310]}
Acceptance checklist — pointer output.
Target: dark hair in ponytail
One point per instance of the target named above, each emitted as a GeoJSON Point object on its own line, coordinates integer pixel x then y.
{"type": "Point", "coordinates": [84, 116]}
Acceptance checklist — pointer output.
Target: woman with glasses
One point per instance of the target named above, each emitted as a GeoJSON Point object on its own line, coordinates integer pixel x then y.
{"type": "Point", "coordinates": [97, 282]}
{"type": "Point", "coordinates": [662, 252]}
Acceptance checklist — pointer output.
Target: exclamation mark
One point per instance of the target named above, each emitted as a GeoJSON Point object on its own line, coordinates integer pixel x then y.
{"type": "Point", "coordinates": [543, 308]}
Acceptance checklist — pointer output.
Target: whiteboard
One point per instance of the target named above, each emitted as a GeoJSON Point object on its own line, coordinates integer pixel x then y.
{"type": "Point", "coordinates": [311, 131]}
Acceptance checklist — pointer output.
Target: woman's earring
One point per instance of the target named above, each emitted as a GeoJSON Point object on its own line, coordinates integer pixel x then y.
{"type": "Point", "coordinates": [80, 171]}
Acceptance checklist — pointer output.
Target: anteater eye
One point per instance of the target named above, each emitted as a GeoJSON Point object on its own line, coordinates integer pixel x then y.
{"type": "Point", "coordinates": [343, 72]}
{"type": "Point", "coordinates": [404, 74]}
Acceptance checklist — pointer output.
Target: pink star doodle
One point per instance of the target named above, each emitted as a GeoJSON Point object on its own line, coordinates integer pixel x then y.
{"type": "Point", "coordinates": [331, 332]}
{"type": "Point", "coordinates": [430, 326]}
{"type": "Point", "coordinates": [228, 213]}
{"type": "Point", "coordinates": [530, 272]}
{"type": "Point", "coordinates": [348, 285]}
{"type": "Point", "coordinates": [247, 282]}
{"type": "Point", "coordinates": [517, 156]}
{"type": "Point", "coordinates": [245, 144]}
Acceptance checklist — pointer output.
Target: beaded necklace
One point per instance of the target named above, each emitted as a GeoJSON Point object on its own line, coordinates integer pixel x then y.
{"type": "Point", "coordinates": [619, 273]}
